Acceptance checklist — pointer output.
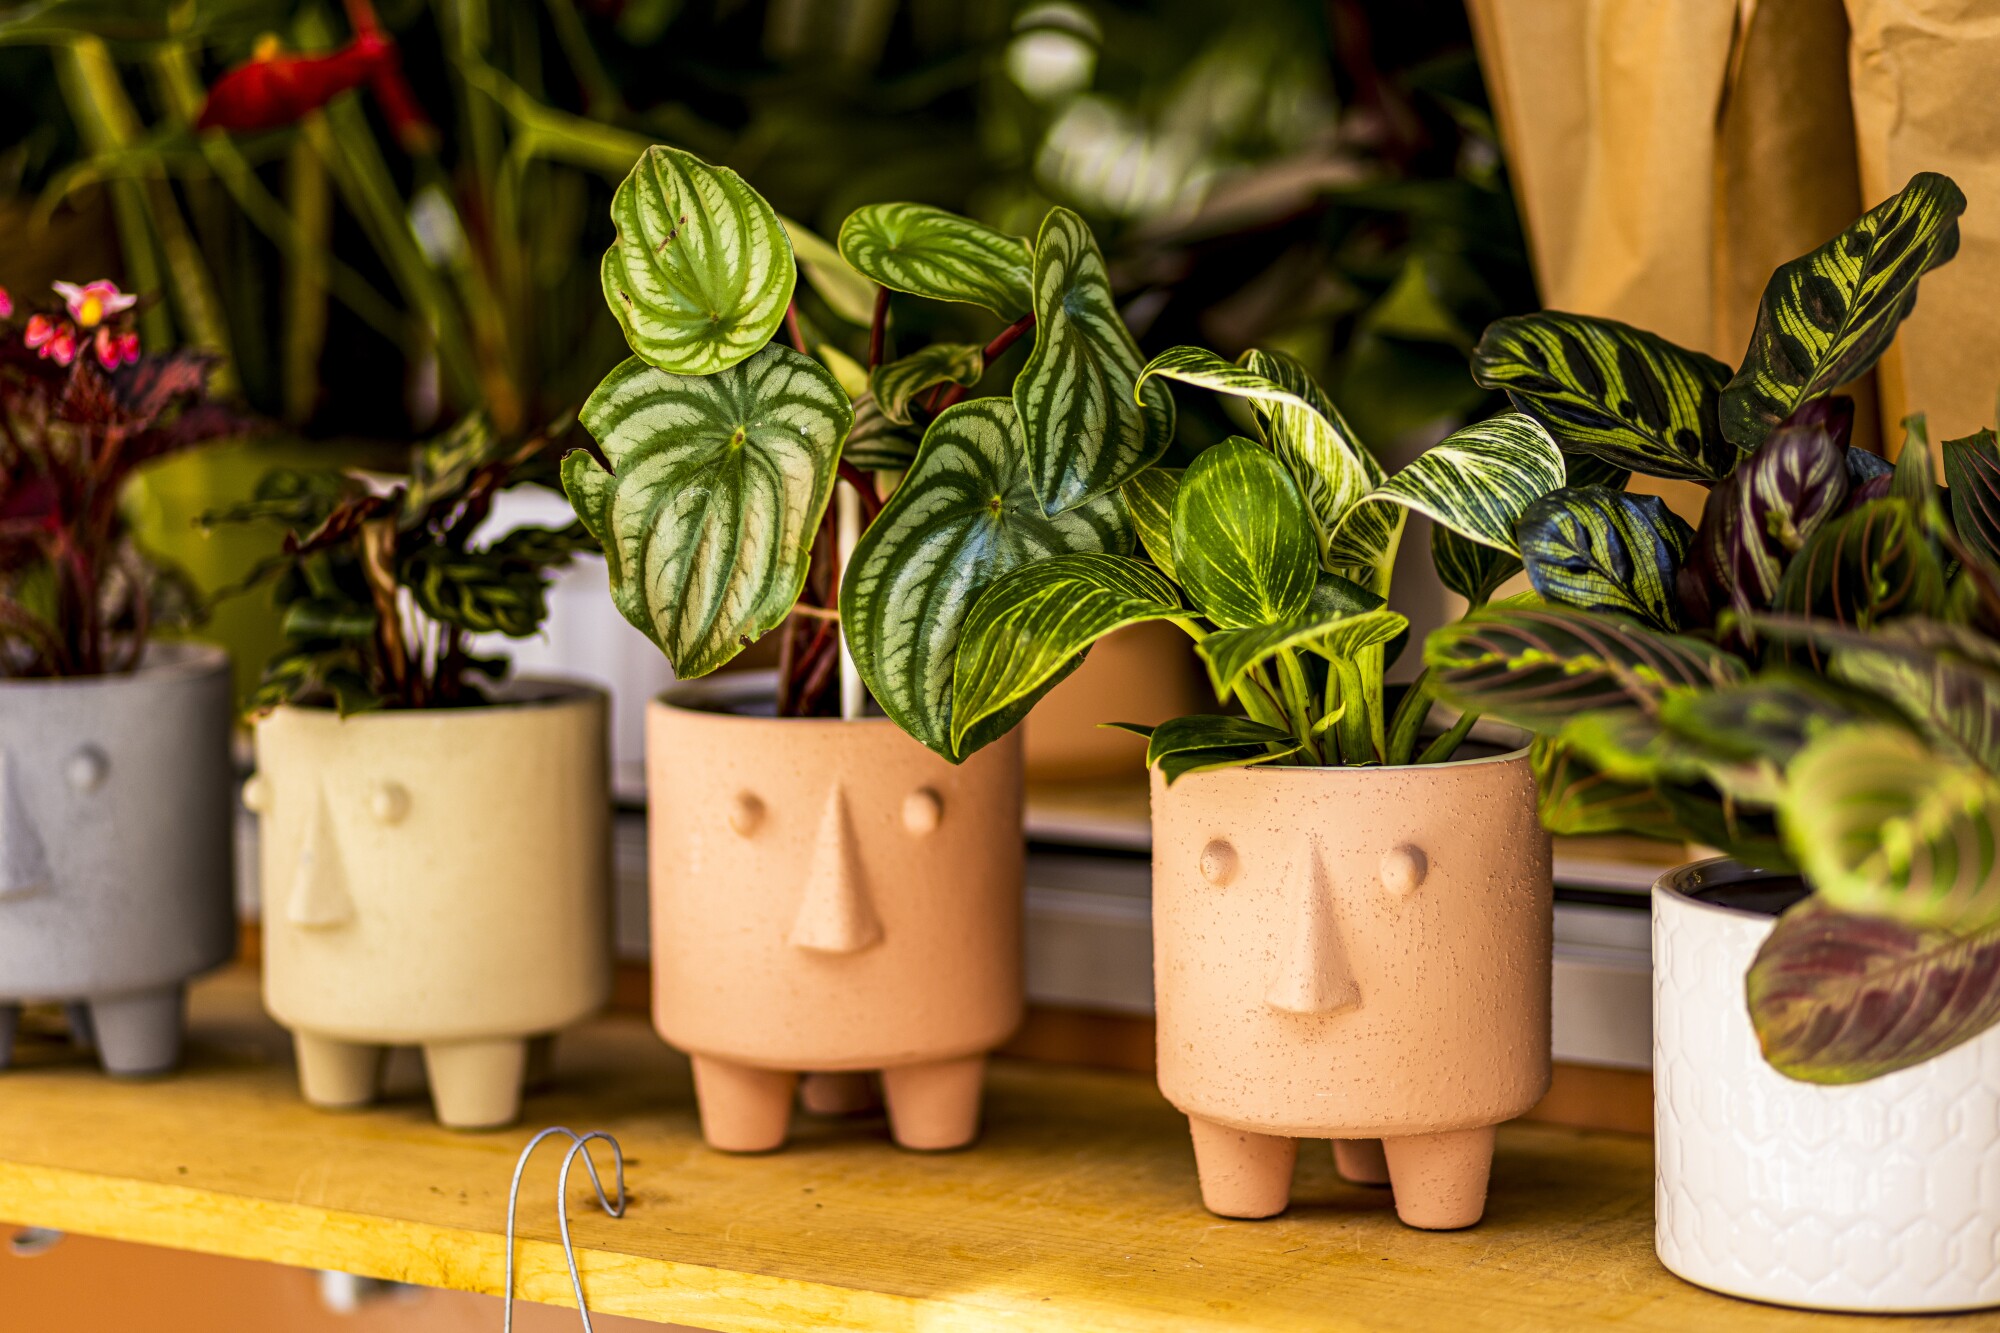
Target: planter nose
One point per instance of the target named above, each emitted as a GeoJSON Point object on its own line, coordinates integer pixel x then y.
{"type": "Point", "coordinates": [319, 899]}
{"type": "Point", "coordinates": [835, 916]}
{"type": "Point", "coordinates": [24, 862]}
{"type": "Point", "coordinates": [1313, 975]}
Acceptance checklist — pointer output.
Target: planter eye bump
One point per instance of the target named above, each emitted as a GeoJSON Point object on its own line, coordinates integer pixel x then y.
{"type": "Point", "coordinates": [746, 813]}
{"type": "Point", "coordinates": [1404, 868]}
{"type": "Point", "coordinates": [923, 810]}
{"type": "Point", "coordinates": [257, 794]}
{"type": "Point", "coordinates": [87, 768]}
{"type": "Point", "coordinates": [1219, 862]}
{"type": "Point", "coordinates": [389, 802]}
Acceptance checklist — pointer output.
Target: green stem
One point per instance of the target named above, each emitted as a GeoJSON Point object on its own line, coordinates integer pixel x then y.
{"type": "Point", "coordinates": [1445, 746]}
{"type": "Point", "coordinates": [1357, 725]}
{"type": "Point", "coordinates": [1411, 711]}
{"type": "Point", "coordinates": [1298, 703]}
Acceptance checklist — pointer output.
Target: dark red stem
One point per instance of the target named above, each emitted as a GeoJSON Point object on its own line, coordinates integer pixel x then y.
{"type": "Point", "coordinates": [792, 327]}
{"type": "Point", "coordinates": [1002, 340]}
{"type": "Point", "coordinates": [878, 328]}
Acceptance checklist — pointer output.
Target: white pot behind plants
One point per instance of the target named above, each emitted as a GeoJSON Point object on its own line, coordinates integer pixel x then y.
{"type": "Point", "coordinates": [1874, 1197]}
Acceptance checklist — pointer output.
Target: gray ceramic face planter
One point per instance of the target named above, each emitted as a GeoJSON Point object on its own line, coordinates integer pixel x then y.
{"type": "Point", "coordinates": [116, 804]}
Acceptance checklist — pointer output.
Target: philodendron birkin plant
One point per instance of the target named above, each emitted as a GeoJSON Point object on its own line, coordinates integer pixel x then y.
{"type": "Point", "coordinates": [1809, 679]}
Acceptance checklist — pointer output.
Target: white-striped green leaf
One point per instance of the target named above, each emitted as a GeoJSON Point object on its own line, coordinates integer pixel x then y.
{"type": "Point", "coordinates": [1593, 549]}
{"type": "Point", "coordinates": [846, 292]}
{"type": "Point", "coordinates": [1243, 545]}
{"type": "Point", "coordinates": [1884, 825]}
{"type": "Point", "coordinates": [896, 383]}
{"type": "Point", "coordinates": [1231, 654]}
{"type": "Point", "coordinates": [707, 526]}
{"type": "Point", "coordinates": [926, 251]}
{"type": "Point", "coordinates": [877, 444]}
{"type": "Point", "coordinates": [1204, 742]}
{"type": "Point", "coordinates": [1624, 395]}
{"type": "Point", "coordinates": [1035, 622]}
{"type": "Point", "coordinates": [1149, 497]}
{"type": "Point", "coordinates": [964, 517]}
{"type": "Point", "coordinates": [1826, 317]}
{"type": "Point", "coordinates": [701, 271]}
{"type": "Point", "coordinates": [1090, 425]}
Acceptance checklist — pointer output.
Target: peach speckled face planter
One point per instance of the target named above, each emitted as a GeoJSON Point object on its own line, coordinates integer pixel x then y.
{"type": "Point", "coordinates": [1355, 954]}
{"type": "Point", "coordinates": [830, 896]}
{"type": "Point", "coordinates": [435, 877]}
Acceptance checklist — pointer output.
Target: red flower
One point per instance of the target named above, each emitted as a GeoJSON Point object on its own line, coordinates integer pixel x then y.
{"type": "Point", "coordinates": [54, 341]}
{"type": "Point", "coordinates": [6, 304]}
{"type": "Point", "coordinates": [272, 90]}
{"type": "Point", "coordinates": [116, 349]}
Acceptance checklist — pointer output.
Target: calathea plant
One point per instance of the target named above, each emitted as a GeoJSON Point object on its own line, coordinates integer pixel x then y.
{"type": "Point", "coordinates": [1810, 678]}
{"type": "Point", "coordinates": [381, 583]}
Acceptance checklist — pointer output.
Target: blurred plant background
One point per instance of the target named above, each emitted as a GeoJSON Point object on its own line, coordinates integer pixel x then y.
{"type": "Point", "coordinates": [372, 264]}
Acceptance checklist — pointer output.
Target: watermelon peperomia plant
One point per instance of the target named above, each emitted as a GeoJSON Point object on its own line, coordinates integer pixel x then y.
{"type": "Point", "coordinates": [1809, 679]}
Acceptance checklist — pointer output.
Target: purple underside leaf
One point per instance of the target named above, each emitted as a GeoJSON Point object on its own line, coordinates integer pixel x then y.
{"type": "Point", "coordinates": [1841, 998]}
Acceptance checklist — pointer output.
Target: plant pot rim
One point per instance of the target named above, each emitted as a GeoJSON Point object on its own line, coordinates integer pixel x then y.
{"type": "Point", "coordinates": [516, 696]}
{"type": "Point", "coordinates": [1680, 884]}
{"type": "Point", "coordinates": [712, 697]}
{"type": "Point", "coordinates": [1297, 770]}
{"type": "Point", "coordinates": [163, 659]}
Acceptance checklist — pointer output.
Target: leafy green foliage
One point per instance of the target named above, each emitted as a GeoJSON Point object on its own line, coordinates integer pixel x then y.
{"type": "Point", "coordinates": [1868, 565]}
{"type": "Point", "coordinates": [1232, 654]}
{"type": "Point", "coordinates": [929, 252]}
{"type": "Point", "coordinates": [1149, 498]}
{"type": "Point", "coordinates": [894, 385]}
{"type": "Point", "coordinates": [877, 444]}
{"type": "Point", "coordinates": [1596, 549]}
{"type": "Point", "coordinates": [1471, 569]}
{"type": "Point", "coordinates": [1206, 742]}
{"type": "Point", "coordinates": [1477, 481]}
{"type": "Point", "coordinates": [1972, 470]}
{"type": "Point", "coordinates": [1242, 541]}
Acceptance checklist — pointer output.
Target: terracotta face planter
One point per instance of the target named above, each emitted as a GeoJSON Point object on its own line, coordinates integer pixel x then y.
{"type": "Point", "coordinates": [830, 896]}
{"type": "Point", "coordinates": [1359, 955]}
{"type": "Point", "coordinates": [116, 877]}
{"type": "Point", "coordinates": [436, 878]}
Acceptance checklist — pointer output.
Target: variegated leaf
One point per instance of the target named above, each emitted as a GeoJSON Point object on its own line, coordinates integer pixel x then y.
{"type": "Point", "coordinates": [1090, 425]}
{"type": "Point", "coordinates": [1150, 499]}
{"type": "Point", "coordinates": [1205, 743]}
{"type": "Point", "coordinates": [1626, 396]}
{"type": "Point", "coordinates": [707, 526]}
{"type": "Point", "coordinates": [1231, 654]}
{"type": "Point", "coordinates": [1037, 621]}
{"type": "Point", "coordinates": [1575, 799]}
{"type": "Point", "coordinates": [877, 444]}
{"type": "Point", "coordinates": [701, 271]}
{"type": "Point", "coordinates": [1472, 570]}
{"type": "Point", "coordinates": [1972, 467]}
{"type": "Point", "coordinates": [1602, 550]}
{"type": "Point", "coordinates": [896, 383]}
{"type": "Point", "coordinates": [964, 517]}
{"type": "Point", "coordinates": [1827, 316]}
{"type": "Point", "coordinates": [1243, 545]}
{"type": "Point", "coordinates": [1863, 567]}
{"type": "Point", "coordinates": [929, 252]}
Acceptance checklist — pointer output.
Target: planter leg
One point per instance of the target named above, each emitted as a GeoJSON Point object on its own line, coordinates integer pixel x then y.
{"type": "Point", "coordinates": [837, 1094]}
{"type": "Point", "coordinates": [337, 1075]}
{"type": "Point", "coordinates": [476, 1084]}
{"type": "Point", "coordinates": [10, 1023]}
{"type": "Point", "coordinates": [1440, 1179]}
{"type": "Point", "coordinates": [935, 1106]}
{"type": "Point", "coordinates": [541, 1070]}
{"type": "Point", "coordinates": [1242, 1174]}
{"type": "Point", "coordinates": [138, 1034]}
{"type": "Point", "coordinates": [743, 1109]}
{"type": "Point", "coordinates": [1361, 1161]}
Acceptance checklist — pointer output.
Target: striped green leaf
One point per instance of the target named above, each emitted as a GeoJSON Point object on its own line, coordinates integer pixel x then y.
{"type": "Point", "coordinates": [1840, 998]}
{"type": "Point", "coordinates": [1576, 799]}
{"type": "Point", "coordinates": [926, 251]}
{"type": "Point", "coordinates": [877, 444]}
{"type": "Point", "coordinates": [896, 383]}
{"type": "Point", "coordinates": [1476, 481]}
{"type": "Point", "coordinates": [964, 517]}
{"type": "Point", "coordinates": [1869, 564]}
{"type": "Point", "coordinates": [1035, 622]}
{"type": "Point", "coordinates": [1626, 396]}
{"type": "Point", "coordinates": [701, 270]}
{"type": "Point", "coordinates": [1472, 570]}
{"type": "Point", "coordinates": [1149, 497]}
{"type": "Point", "coordinates": [1972, 467]}
{"type": "Point", "coordinates": [1090, 424]}
{"type": "Point", "coordinates": [708, 524]}
{"type": "Point", "coordinates": [477, 591]}
{"type": "Point", "coordinates": [1204, 743]}
{"type": "Point", "coordinates": [1602, 550]}
{"type": "Point", "coordinates": [1231, 654]}
{"type": "Point", "coordinates": [1243, 545]}
{"type": "Point", "coordinates": [1827, 316]}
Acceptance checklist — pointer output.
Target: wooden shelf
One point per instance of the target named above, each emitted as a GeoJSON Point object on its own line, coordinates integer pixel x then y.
{"type": "Point", "coordinates": [1077, 1211]}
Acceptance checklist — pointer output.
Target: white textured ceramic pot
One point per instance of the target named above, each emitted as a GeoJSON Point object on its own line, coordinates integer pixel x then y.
{"type": "Point", "coordinates": [115, 842]}
{"type": "Point", "coordinates": [438, 878]}
{"type": "Point", "coordinates": [1874, 1197]}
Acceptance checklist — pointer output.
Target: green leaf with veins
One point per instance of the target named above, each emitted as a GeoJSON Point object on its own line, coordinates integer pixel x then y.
{"type": "Point", "coordinates": [1231, 654]}
{"type": "Point", "coordinates": [894, 385]}
{"type": "Point", "coordinates": [929, 252]}
{"type": "Point", "coordinates": [1243, 545]}
{"type": "Point", "coordinates": [1150, 499]}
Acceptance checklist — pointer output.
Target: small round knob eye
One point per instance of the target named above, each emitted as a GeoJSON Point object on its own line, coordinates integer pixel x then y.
{"type": "Point", "coordinates": [1218, 862]}
{"type": "Point", "coordinates": [746, 813]}
{"type": "Point", "coordinates": [389, 802]}
{"type": "Point", "coordinates": [257, 794]}
{"type": "Point", "coordinates": [1404, 868]}
{"type": "Point", "coordinates": [923, 810]}
{"type": "Point", "coordinates": [87, 769]}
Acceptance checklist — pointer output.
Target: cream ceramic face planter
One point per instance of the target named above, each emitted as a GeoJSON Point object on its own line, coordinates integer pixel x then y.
{"type": "Point", "coordinates": [1352, 954]}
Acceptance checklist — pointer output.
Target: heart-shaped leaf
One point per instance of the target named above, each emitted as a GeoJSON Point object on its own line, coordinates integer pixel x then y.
{"type": "Point", "coordinates": [964, 517]}
{"type": "Point", "coordinates": [1602, 550]}
{"type": "Point", "coordinates": [926, 251]}
{"type": "Point", "coordinates": [1033, 623]}
{"type": "Point", "coordinates": [1827, 316]}
{"type": "Point", "coordinates": [1090, 424]}
{"type": "Point", "coordinates": [1840, 998]}
{"type": "Point", "coordinates": [1149, 497]}
{"type": "Point", "coordinates": [1863, 567]}
{"type": "Point", "coordinates": [702, 269]}
{"type": "Point", "coordinates": [1231, 654]}
{"type": "Point", "coordinates": [877, 444]}
{"type": "Point", "coordinates": [896, 383]}
{"type": "Point", "coordinates": [1972, 468]}
{"type": "Point", "coordinates": [1476, 481]}
{"type": "Point", "coordinates": [707, 527]}
{"type": "Point", "coordinates": [1243, 545]}
{"type": "Point", "coordinates": [1626, 396]}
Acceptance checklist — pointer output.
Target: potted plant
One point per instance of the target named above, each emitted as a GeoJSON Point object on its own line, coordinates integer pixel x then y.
{"type": "Point", "coordinates": [115, 884]}
{"type": "Point", "coordinates": [833, 891]}
{"type": "Point", "coordinates": [1807, 681]}
{"type": "Point", "coordinates": [433, 851]}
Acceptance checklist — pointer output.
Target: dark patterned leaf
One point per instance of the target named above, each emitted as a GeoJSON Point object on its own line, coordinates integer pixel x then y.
{"type": "Point", "coordinates": [1596, 549]}
{"type": "Point", "coordinates": [1471, 569]}
{"type": "Point", "coordinates": [1868, 564]}
{"type": "Point", "coordinates": [1972, 469]}
{"type": "Point", "coordinates": [1204, 743]}
{"type": "Point", "coordinates": [479, 592]}
{"type": "Point", "coordinates": [1576, 799]}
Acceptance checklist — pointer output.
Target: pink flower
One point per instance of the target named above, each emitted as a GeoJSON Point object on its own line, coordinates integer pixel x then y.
{"type": "Point", "coordinates": [53, 340]}
{"type": "Point", "coordinates": [6, 304]}
{"type": "Point", "coordinates": [90, 304]}
{"type": "Point", "coordinates": [115, 350]}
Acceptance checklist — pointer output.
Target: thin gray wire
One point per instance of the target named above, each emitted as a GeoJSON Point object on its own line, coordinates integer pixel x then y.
{"type": "Point", "coordinates": [579, 1143]}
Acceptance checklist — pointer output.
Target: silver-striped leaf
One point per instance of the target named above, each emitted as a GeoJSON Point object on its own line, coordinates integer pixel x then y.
{"type": "Point", "coordinates": [701, 270]}
{"type": "Point", "coordinates": [964, 517]}
{"type": "Point", "coordinates": [898, 382]}
{"type": "Point", "coordinates": [721, 480]}
{"type": "Point", "coordinates": [929, 252]}
{"type": "Point", "coordinates": [1243, 544]}
{"type": "Point", "coordinates": [1476, 481]}
{"type": "Point", "coordinates": [1090, 425]}
{"type": "Point", "coordinates": [1037, 621]}
{"type": "Point", "coordinates": [1593, 549]}
{"type": "Point", "coordinates": [1826, 317]}
{"type": "Point", "coordinates": [1149, 497]}
{"type": "Point", "coordinates": [877, 444]}
{"type": "Point", "coordinates": [1622, 394]}
{"type": "Point", "coordinates": [1231, 654]}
